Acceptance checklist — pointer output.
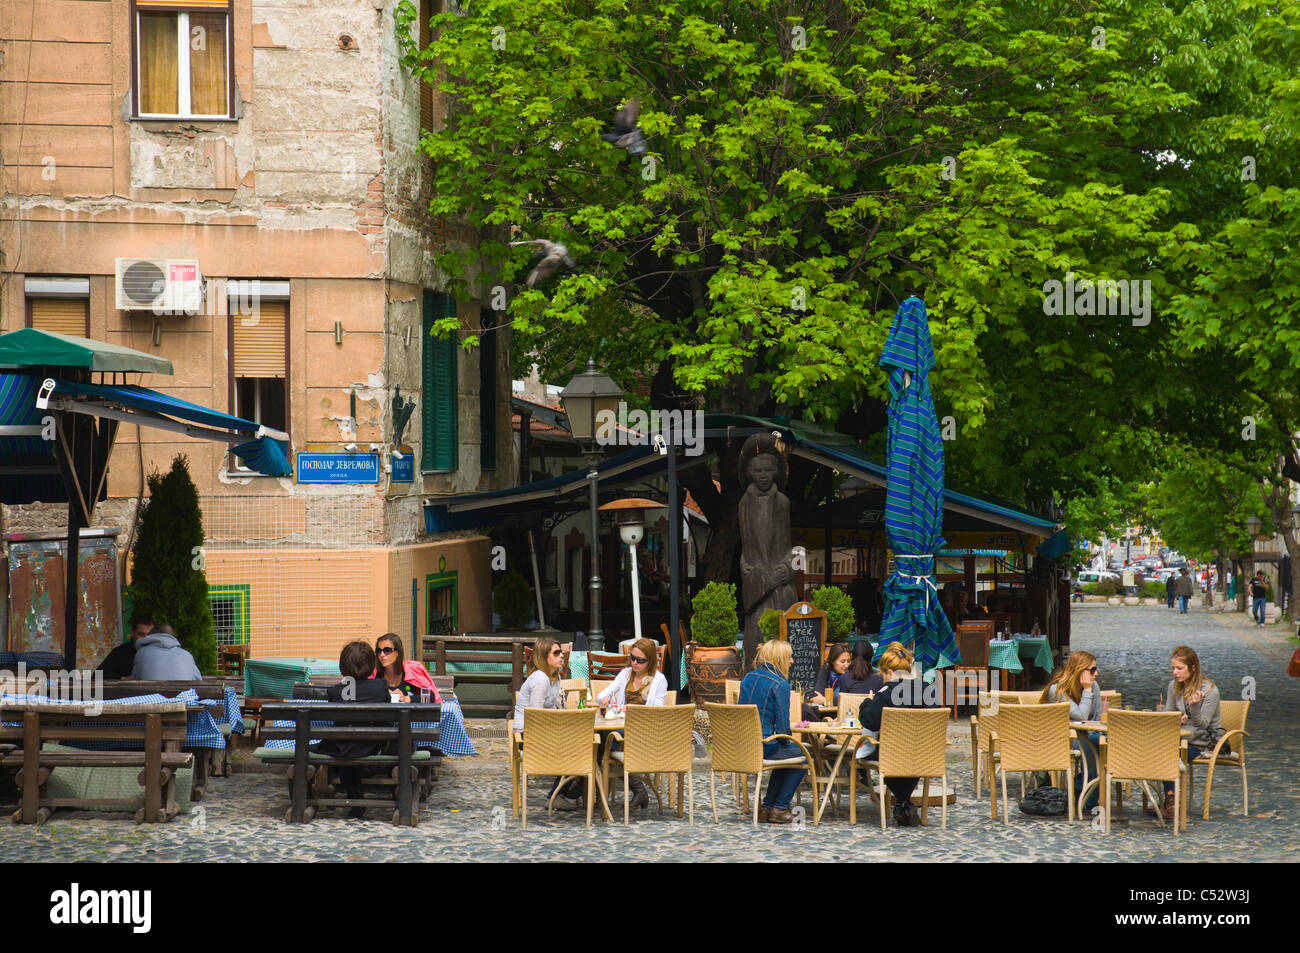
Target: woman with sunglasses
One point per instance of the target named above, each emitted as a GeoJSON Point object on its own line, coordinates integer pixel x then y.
{"type": "Point", "coordinates": [1076, 683]}
{"type": "Point", "coordinates": [541, 689]}
{"type": "Point", "coordinates": [641, 683]}
{"type": "Point", "coordinates": [405, 679]}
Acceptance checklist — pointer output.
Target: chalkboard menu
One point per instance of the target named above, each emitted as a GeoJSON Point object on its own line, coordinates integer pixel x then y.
{"type": "Point", "coordinates": [803, 625]}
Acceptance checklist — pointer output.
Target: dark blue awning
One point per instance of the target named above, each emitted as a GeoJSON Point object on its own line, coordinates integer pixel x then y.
{"type": "Point", "coordinates": [261, 448]}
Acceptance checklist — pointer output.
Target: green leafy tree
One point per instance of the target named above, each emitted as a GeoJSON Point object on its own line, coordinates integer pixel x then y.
{"type": "Point", "coordinates": [512, 598]}
{"type": "Point", "coordinates": [807, 172]}
{"type": "Point", "coordinates": [168, 581]}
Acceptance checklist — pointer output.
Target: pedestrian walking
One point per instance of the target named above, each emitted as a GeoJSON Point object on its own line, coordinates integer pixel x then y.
{"type": "Point", "coordinates": [1169, 590]}
{"type": "Point", "coordinates": [1258, 595]}
{"type": "Point", "coordinates": [1183, 589]}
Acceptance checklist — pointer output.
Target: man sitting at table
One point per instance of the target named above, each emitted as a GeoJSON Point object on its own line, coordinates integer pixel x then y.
{"type": "Point", "coordinates": [119, 662]}
{"type": "Point", "coordinates": [159, 657]}
{"type": "Point", "coordinates": [356, 662]}
{"type": "Point", "coordinates": [899, 691]}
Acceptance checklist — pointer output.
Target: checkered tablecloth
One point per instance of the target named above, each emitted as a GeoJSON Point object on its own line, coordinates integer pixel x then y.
{"type": "Point", "coordinates": [201, 729]}
{"type": "Point", "coordinates": [453, 739]}
{"type": "Point", "coordinates": [225, 711]}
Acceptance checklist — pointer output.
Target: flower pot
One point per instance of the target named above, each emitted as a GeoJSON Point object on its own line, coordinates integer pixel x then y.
{"type": "Point", "coordinates": [708, 669]}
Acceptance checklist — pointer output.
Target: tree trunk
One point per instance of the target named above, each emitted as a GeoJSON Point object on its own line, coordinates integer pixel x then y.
{"type": "Point", "coordinates": [1278, 499]}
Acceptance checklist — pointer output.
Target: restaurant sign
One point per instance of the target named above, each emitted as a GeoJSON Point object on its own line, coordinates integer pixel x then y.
{"type": "Point", "coordinates": [338, 467]}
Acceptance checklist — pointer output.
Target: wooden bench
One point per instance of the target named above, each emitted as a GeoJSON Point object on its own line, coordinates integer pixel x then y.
{"type": "Point", "coordinates": [480, 647]}
{"type": "Point", "coordinates": [389, 723]}
{"type": "Point", "coordinates": [161, 730]}
{"type": "Point", "coordinates": [206, 760]}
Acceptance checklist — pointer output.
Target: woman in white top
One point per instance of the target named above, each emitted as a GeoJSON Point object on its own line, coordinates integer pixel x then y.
{"type": "Point", "coordinates": [641, 683]}
{"type": "Point", "coordinates": [541, 689]}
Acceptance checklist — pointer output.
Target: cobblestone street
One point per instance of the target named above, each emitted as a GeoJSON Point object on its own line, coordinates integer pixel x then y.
{"type": "Point", "coordinates": [469, 815]}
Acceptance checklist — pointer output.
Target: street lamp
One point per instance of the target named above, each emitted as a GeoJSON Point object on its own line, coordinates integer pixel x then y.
{"type": "Point", "coordinates": [587, 399]}
{"type": "Point", "coordinates": [1253, 524]}
{"type": "Point", "coordinates": [631, 529]}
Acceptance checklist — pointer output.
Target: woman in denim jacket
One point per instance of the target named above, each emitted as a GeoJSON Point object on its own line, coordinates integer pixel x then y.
{"type": "Point", "coordinates": [768, 687]}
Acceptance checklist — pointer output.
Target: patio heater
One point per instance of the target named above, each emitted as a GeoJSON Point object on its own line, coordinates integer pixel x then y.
{"type": "Point", "coordinates": [631, 529]}
{"type": "Point", "coordinates": [586, 398]}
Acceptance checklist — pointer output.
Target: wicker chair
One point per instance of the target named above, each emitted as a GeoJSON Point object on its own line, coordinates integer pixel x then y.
{"type": "Point", "coordinates": [513, 753]}
{"type": "Point", "coordinates": [1030, 738]}
{"type": "Point", "coordinates": [657, 740]}
{"type": "Point", "coordinates": [738, 749]}
{"type": "Point", "coordinates": [1233, 720]}
{"type": "Point", "coordinates": [562, 743]}
{"type": "Point", "coordinates": [575, 690]}
{"type": "Point", "coordinates": [1144, 746]}
{"type": "Point", "coordinates": [731, 691]}
{"type": "Point", "coordinates": [595, 686]}
{"type": "Point", "coordinates": [913, 744]}
{"type": "Point", "coordinates": [982, 726]}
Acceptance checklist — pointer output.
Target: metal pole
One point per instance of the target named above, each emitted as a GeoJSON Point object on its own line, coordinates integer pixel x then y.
{"type": "Point", "coordinates": [636, 594]}
{"type": "Point", "coordinates": [595, 638]}
{"type": "Point", "coordinates": [674, 565]}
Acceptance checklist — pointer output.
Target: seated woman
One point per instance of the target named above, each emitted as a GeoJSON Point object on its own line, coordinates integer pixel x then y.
{"type": "Point", "coordinates": [356, 662]}
{"type": "Point", "coordinates": [1197, 698]}
{"type": "Point", "coordinates": [859, 678]}
{"type": "Point", "coordinates": [898, 690]}
{"type": "Point", "coordinates": [768, 687]}
{"type": "Point", "coordinates": [830, 674]}
{"type": "Point", "coordinates": [641, 683]}
{"type": "Point", "coordinates": [1076, 682]}
{"type": "Point", "coordinates": [404, 678]}
{"type": "Point", "coordinates": [541, 689]}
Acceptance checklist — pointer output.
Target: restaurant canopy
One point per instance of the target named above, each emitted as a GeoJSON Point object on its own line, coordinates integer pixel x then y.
{"type": "Point", "coordinates": [58, 429]}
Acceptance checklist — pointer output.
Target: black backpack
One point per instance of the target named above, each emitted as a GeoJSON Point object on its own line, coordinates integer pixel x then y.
{"type": "Point", "coordinates": [1045, 802]}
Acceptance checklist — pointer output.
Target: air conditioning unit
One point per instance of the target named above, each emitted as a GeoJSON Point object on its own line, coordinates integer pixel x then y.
{"type": "Point", "coordinates": [163, 287]}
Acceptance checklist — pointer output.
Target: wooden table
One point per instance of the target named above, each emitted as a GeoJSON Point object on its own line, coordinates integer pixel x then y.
{"type": "Point", "coordinates": [1082, 727]}
{"type": "Point", "coordinates": [848, 737]}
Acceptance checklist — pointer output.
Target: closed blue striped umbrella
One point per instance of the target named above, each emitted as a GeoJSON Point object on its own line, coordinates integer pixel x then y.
{"type": "Point", "coordinates": [914, 493]}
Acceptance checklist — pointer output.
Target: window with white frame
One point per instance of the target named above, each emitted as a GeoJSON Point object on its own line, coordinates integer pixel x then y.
{"type": "Point", "coordinates": [182, 59]}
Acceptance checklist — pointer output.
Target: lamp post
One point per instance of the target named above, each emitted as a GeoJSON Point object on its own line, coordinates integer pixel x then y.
{"type": "Point", "coordinates": [586, 399]}
{"type": "Point", "coordinates": [631, 529]}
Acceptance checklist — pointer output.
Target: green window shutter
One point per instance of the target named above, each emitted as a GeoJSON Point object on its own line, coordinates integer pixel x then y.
{"type": "Point", "coordinates": [487, 391]}
{"type": "Point", "coordinates": [439, 413]}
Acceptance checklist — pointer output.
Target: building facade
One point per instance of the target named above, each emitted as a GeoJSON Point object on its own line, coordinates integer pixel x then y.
{"type": "Point", "coordinates": [235, 185]}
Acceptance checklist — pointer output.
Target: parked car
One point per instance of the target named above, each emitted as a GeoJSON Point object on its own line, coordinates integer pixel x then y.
{"type": "Point", "coordinates": [1093, 575]}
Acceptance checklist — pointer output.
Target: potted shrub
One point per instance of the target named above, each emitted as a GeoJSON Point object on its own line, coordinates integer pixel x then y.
{"type": "Point", "coordinates": [711, 655]}
{"type": "Point", "coordinates": [769, 623]}
{"type": "Point", "coordinates": [837, 605]}
{"type": "Point", "coordinates": [512, 599]}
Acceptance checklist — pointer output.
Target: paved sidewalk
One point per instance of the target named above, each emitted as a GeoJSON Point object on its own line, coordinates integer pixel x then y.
{"type": "Point", "coordinates": [469, 819]}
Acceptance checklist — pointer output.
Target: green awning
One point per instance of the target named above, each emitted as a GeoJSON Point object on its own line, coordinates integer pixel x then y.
{"type": "Point", "coordinates": [32, 348]}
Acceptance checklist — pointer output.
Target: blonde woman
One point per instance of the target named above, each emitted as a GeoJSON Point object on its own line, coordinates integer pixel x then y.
{"type": "Point", "coordinates": [1076, 683]}
{"type": "Point", "coordinates": [641, 683]}
{"type": "Point", "coordinates": [900, 690]}
{"type": "Point", "coordinates": [1197, 698]}
{"type": "Point", "coordinates": [768, 687]}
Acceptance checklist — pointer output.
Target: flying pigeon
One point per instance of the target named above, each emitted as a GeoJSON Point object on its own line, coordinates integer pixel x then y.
{"type": "Point", "coordinates": [627, 134]}
{"type": "Point", "coordinates": [550, 256]}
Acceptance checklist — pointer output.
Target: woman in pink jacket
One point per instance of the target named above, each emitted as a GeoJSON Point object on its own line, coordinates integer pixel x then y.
{"type": "Point", "coordinates": [404, 678]}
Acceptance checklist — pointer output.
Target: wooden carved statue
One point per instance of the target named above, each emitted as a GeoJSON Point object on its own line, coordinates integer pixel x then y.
{"type": "Point", "coordinates": [766, 573]}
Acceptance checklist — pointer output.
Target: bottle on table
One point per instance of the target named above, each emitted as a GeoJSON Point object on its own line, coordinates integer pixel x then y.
{"type": "Point", "coordinates": [1037, 632]}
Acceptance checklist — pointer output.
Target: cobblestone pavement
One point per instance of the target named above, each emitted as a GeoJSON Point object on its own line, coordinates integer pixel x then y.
{"type": "Point", "coordinates": [469, 816]}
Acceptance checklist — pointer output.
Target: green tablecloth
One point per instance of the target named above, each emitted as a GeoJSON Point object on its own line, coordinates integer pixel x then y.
{"type": "Point", "coordinates": [274, 677]}
{"type": "Point", "coordinates": [1006, 654]}
{"type": "Point", "coordinates": [578, 667]}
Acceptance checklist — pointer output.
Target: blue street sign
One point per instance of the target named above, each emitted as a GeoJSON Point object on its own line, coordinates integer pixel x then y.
{"type": "Point", "coordinates": [404, 468]}
{"type": "Point", "coordinates": [338, 467]}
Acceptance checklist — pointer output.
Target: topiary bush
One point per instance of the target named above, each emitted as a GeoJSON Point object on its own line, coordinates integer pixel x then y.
{"type": "Point", "coordinates": [512, 599]}
{"type": "Point", "coordinates": [837, 605]}
{"type": "Point", "coordinates": [714, 619]}
{"type": "Point", "coordinates": [769, 623]}
{"type": "Point", "coordinates": [167, 568]}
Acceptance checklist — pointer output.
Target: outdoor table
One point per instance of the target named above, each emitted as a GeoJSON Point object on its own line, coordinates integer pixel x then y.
{"type": "Point", "coordinates": [1084, 727]}
{"type": "Point", "coordinates": [848, 737]}
{"type": "Point", "coordinates": [1006, 654]}
{"type": "Point", "coordinates": [274, 677]}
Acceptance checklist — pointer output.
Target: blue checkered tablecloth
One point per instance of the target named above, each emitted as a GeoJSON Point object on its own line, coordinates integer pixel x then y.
{"type": "Point", "coordinates": [201, 729]}
{"type": "Point", "coordinates": [453, 739]}
{"type": "Point", "coordinates": [226, 711]}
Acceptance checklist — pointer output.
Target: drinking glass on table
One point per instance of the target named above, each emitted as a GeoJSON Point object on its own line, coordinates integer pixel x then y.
{"type": "Point", "coordinates": [425, 697]}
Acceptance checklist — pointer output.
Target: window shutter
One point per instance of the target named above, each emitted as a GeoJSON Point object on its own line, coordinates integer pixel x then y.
{"type": "Point", "coordinates": [426, 91]}
{"type": "Point", "coordinates": [257, 349]}
{"type": "Point", "coordinates": [61, 315]}
{"type": "Point", "coordinates": [440, 411]}
{"type": "Point", "coordinates": [487, 391]}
